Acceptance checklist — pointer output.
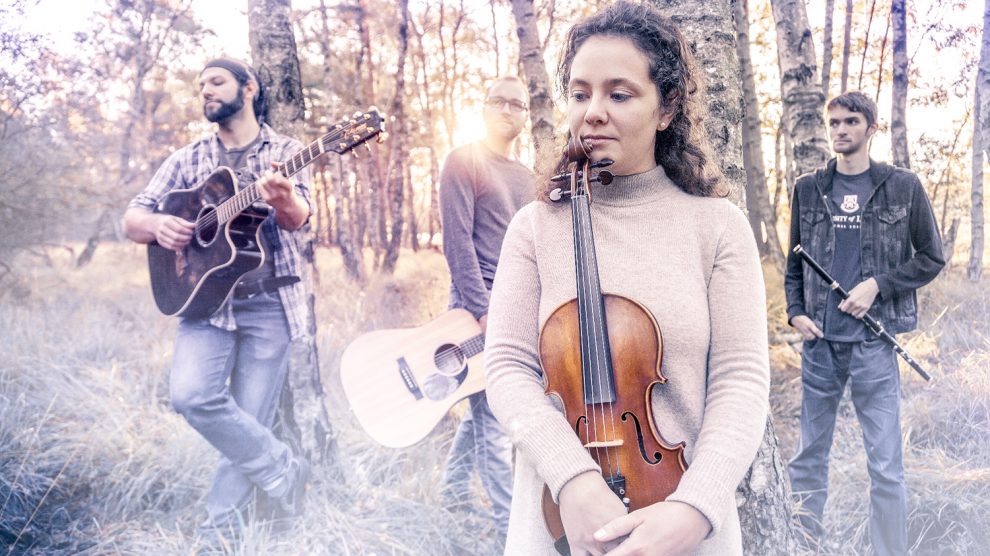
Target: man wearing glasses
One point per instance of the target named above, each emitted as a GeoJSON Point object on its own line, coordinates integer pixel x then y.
{"type": "Point", "coordinates": [481, 188]}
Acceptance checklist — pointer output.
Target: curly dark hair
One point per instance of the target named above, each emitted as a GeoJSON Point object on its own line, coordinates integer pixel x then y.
{"type": "Point", "coordinates": [682, 148]}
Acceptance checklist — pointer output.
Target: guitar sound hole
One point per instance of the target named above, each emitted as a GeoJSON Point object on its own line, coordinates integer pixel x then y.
{"type": "Point", "coordinates": [206, 226]}
{"type": "Point", "coordinates": [449, 360]}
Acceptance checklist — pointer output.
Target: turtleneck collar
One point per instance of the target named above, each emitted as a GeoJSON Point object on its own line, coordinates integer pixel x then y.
{"type": "Point", "coordinates": [635, 189]}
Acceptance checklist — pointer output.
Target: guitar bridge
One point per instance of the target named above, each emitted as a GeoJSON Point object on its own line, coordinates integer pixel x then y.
{"type": "Point", "coordinates": [408, 379]}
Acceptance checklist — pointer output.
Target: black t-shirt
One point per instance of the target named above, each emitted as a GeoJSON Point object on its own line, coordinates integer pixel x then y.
{"type": "Point", "coordinates": [849, 194]}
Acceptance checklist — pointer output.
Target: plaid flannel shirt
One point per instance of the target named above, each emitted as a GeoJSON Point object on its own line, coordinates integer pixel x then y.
{"type": "Point", "coordinates": [190, 165]}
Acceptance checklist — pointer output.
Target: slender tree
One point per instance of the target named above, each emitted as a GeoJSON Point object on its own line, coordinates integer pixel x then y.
{"type": "Point", "coordinates": [827, 46]}
{"type": "Point", "coordinates": [800, 86]}
{"type": "Point", "coordinates": [303, 419]}
{"type": "Point", "coordinates": [866, 46]}
{"type": "Point", "coordinates": [898, 119]}
{"type": "Point", "coordinates": [761, 216]}
{"type": "Point", "coordinates": [981, 142]}
{"type": "Point", "coordinates": [846, 41]}
{"type": "Point", "coordinates": [974, 269]}
{"type": "Point", "coordinates": [540, 103]}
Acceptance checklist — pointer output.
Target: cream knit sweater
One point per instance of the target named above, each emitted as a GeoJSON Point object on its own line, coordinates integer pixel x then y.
{"type": "Point", "coordinates": [692, 262]}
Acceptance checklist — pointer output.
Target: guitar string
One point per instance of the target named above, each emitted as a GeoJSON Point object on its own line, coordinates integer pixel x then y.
{"type": "Point", "coordinates": [249, 192]}
{"type": "Point", "coordinates": [240, 199]}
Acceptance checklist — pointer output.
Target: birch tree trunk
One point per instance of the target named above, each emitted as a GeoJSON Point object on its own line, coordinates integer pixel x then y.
{"type": "Point", "coordinates": [827, 46]}
{"type": "Point", "coordinates": [981, 142]}
{"type": "Point", "coordinates": [898, 118]}
{"type": "Point", "coordinates": [709, 28]}
{"type": "Point", "coordinates": [845, 46]}
{"type": "Point", "coordinates": [866, 48]}
{"type": "Point", "coordinates": [303, 420]}
{"type": "Point", "coordinates": [800, 86]}
{"type": "Point", "coordinates": [761, 216]}
{"type": "Point", "coordinates": [763, 497]}
{"type": "Point", "coordinates": [538, 83]}
{"type": "Point", "coordinates": [273, 51]}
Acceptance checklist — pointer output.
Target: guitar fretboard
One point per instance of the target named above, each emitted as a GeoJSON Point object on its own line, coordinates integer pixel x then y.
{"type": "Point", "coordinates": [332, 141]}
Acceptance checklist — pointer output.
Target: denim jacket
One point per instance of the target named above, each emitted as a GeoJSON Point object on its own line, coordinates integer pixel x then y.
{"type": "Point", "coordinates": [900, 244]}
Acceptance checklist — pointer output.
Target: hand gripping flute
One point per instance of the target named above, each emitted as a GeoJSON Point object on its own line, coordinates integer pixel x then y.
{"type": "Point", "coordinates": [868, 320]}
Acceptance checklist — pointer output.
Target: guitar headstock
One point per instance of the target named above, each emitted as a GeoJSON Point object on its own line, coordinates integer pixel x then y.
{"type": "Point", "coordinates": [358, 129]}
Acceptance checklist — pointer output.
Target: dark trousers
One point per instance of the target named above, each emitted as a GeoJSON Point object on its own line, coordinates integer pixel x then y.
{"type": "Point", "coordinates": [870, 367]}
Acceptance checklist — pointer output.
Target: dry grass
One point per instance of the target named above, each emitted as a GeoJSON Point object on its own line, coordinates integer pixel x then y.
{"type": "Point", "coordinates": [94, 461]}
{"type": "Point", "coordinates": [945, 425]}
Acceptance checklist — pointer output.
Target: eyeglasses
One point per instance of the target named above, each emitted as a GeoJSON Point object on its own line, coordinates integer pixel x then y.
{"type": "Point", "coordinates": [499, 103]}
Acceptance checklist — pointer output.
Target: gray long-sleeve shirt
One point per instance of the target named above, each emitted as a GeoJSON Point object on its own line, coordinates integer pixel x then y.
{"type": "Point", "coordinates": [480, 192]}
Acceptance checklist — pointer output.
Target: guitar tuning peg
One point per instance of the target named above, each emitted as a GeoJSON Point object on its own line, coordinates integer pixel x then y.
{"type": "Point", "coordinates": [382, 137]}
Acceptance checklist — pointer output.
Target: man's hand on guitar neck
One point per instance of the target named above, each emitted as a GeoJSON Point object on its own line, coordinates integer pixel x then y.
{"type": "Point", "coordinates": [291, 210]}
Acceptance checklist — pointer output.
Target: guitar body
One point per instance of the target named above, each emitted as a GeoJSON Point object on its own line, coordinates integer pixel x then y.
{"type": "Point", "coordinates": [400, 383]}
{"type": "Point", "coordinates": [197, 281]}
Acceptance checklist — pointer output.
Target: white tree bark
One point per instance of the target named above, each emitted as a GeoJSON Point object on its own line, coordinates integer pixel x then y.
{"type": "Point", "coordinates": [303, 419]}
{"type": "Point", "coordinates": [800, 86]}
{"type": "Point", "coordinates": [540, 102]}
{"type": "Point", "coordinates": [981, 144]}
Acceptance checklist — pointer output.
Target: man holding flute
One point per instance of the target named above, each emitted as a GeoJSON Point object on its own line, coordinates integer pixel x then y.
{"type": "Point", "coordinates": [871, 225]}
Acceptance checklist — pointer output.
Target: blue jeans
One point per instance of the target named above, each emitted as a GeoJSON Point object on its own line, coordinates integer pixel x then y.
{"type": "Point", "coordinates": [481, 443]}
{"type": "Point", "coordinates": [870, 367]}
{"type": "Point", "coordinates": [227, 385]}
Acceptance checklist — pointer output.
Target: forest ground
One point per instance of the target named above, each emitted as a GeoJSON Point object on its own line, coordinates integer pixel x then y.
{"type": "Point", "coordinates": [94, 461]}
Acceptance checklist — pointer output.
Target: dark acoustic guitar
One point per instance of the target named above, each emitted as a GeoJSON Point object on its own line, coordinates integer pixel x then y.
{"type": "Point", "coordinates": [226, 243]}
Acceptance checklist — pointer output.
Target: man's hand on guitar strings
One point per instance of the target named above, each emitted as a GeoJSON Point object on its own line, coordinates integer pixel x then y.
{"type": "Point", "coordinates": [172, 232]}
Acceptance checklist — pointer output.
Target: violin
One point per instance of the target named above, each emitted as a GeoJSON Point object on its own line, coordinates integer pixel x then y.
{"type": "Point", "coordinates": [601, 357]}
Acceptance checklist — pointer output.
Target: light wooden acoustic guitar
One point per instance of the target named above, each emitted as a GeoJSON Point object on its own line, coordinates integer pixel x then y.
{"type": "Point", "coordinates": [401, 382]}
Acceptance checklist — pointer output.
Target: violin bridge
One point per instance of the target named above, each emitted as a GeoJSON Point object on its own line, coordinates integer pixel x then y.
{"type": "Point", "coordinates": [604, 444]}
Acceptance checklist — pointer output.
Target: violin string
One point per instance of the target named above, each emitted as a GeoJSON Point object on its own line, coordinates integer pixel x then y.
{"type": "Point", "coordinates": [582, 318]}
{"type": "Point", "coordinates": [599, 342]}
{"type": "Point", "coordinates": [606, 353]}
{"type": "Point", "coordinates": [608, 380]}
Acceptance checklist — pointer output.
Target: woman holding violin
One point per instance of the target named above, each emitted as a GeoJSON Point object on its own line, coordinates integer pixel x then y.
{"type": "Point", "coordinates": [627, 341]}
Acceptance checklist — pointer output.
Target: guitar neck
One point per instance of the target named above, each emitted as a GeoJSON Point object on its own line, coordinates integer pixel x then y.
{"type": "Point", "coordinates": [473, 346]}
{"type": "Point", "coordinates": [244, 198]}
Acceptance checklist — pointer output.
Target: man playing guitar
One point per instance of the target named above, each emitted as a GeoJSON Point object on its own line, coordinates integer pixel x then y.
{"type": "Point", "coordinates": [228, 368]}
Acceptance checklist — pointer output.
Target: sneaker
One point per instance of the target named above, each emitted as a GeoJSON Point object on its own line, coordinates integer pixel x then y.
{"type": "Point", "coordinates": [213, 536]}
{"type": "Point", "coordinates": [290, 503]}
